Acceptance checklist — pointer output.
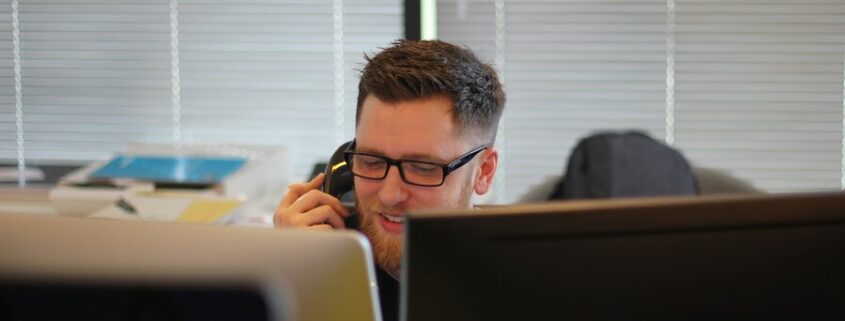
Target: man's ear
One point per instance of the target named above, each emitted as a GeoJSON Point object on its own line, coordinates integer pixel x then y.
{"type": "Point", "coordinates": [487, 168]}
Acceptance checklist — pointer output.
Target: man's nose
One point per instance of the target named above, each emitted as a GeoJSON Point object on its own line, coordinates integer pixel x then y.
{"type": "Point", "coordinates": [393, 190]}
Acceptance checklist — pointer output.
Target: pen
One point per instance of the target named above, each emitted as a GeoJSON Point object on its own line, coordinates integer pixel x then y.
{"type": "Point", "coordinates": [122, 203]}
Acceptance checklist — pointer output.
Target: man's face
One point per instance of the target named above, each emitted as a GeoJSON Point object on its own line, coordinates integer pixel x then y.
{"type": "Point", "coordinates": [415, 130]}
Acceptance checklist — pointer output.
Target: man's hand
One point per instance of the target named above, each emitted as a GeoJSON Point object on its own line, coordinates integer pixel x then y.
{"type": "Point", "coordinates": [305, 206]}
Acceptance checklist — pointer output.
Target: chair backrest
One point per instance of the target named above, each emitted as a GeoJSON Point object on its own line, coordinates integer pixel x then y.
{"type": "Point", "coordinates": [626, 164]}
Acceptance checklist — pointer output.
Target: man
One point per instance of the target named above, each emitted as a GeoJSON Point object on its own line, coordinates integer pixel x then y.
{"type": "Point", "coordinates": [426, 121]}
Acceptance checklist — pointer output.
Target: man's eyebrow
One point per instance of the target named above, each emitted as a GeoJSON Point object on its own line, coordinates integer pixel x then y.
{"type": "Point", "coordinates": [410, 156]}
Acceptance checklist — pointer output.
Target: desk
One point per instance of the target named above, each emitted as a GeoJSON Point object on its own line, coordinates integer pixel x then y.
{"type": "Point", "coordinates": [28, 200]}
{"type": "Point", "coordinates": [35, 200]}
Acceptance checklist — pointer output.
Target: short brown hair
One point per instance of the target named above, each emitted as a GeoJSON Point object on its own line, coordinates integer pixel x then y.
{"type": "Point", "coordinates": [412, 70]}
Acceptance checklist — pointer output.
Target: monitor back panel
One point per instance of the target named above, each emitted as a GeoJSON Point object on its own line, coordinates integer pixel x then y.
{"type": "Point", "coordinates": [294, 272]}
{"type": "Point", "coordinates": [760, 258]}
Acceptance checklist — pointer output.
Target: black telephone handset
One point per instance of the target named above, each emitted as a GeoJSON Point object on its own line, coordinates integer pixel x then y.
{"type": "Point", "coordinates": [340, 183]}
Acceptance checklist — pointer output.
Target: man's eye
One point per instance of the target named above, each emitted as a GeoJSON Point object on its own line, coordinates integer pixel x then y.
{"type": "Point", "coordinates": [423, 167]}
{"type": "Point", "coordinates": [371, 161]}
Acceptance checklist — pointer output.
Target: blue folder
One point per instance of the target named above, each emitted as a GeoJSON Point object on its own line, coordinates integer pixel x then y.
{"type": "Point", "coordinates": [171, 169]}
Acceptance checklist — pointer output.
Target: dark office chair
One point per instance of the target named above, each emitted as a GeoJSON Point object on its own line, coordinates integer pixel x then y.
{"type": "Point", "coordinates": [626, 164]}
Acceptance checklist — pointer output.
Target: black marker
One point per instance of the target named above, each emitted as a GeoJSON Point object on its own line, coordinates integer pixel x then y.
{"type": "Point", "coordinates": [122, 203]}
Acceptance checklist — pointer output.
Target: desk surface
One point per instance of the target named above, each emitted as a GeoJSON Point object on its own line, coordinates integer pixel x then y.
{"type": "Point", "coordinates": [36, 200]}
{"type": "Point", "coordinates": [28, 200]}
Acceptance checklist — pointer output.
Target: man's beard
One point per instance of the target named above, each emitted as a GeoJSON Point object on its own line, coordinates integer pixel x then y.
{"type": "Point", "coordinates": [387, 247]}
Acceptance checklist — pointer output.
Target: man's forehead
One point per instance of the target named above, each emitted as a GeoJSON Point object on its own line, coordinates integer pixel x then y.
{"type": "Point", "coordinates": [431, 104]}
{"type": "Point", "coordinates": [440, 151]}
{"type": "Point", "coordinates": [417, 119]}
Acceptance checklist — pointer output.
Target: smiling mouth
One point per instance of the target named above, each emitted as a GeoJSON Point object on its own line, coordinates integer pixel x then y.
{"type": "Point", "coordinates": [393, 219]}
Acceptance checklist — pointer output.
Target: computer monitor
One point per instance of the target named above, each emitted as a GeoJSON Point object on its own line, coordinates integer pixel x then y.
{"type": "Point", "coordinates": [772, 257]}
{"type": "Point", "coordinates": [94, 269]}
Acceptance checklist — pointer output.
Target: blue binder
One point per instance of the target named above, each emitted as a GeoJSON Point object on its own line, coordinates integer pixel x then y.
{"type": "Point", "coordinates": [171, 169]}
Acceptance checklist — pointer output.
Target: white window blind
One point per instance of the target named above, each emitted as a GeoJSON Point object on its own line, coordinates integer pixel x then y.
{"type": "Point", "coordinates": [469, 23]}
{"type": "Point", "coordinates": [571, 68]}
{"type": "Point", "coordinates": [369, 26]}
{"type": "Point", "coordinates": [753, 88]}
{"type": "Point", "coordinates": [97, 75]}
{"type": "Point", "coordinates": [8, 128]}
{"type": "Point", "coordinates": [759, 90]}
{"type": "Point", "coordinates": [259, 73]}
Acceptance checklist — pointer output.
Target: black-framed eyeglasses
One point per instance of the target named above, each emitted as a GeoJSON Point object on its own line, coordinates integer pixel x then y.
{"type": "Point", "coordinates": [414, 172]}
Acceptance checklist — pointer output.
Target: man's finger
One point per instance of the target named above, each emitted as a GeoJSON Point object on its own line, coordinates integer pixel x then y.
{"type": "Point", "coordinates": [320, 227]}
{"type": "Point", "coordinates": [315, 198]}
{"type": "Point", "coordinates": [323, 214]}
{"type": "Point", "coordinates": [336, 221]}
{"type": "Point", "coordinates": [316, 182]}
{"type": "Point", "coordinates": [295, 191]}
